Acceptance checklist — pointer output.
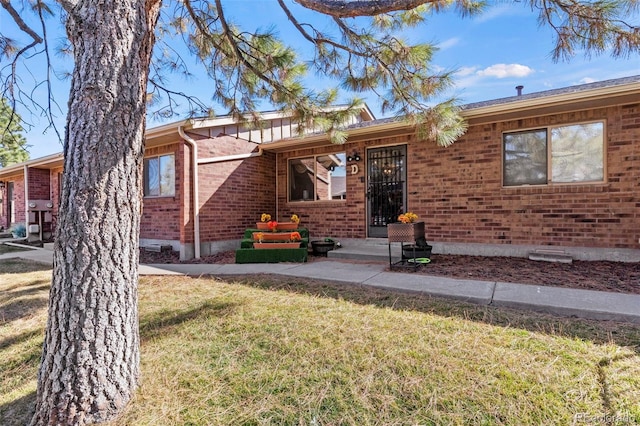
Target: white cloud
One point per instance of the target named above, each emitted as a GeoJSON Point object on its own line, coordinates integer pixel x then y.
{"type": "Point", "coordinates": [465, 71]}
{"type": "Point", "coordinates": [449, 43]}
{"type": "Point", "coordinates": [588, 80]}
{"type": "Point", "coordinates": [505, 70]}
{"type": "Point", "coordinates": [494, 12]}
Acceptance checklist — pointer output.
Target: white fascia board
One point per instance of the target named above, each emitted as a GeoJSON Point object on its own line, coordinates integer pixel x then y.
{"type": "Point", "coordinates": [42, 161]}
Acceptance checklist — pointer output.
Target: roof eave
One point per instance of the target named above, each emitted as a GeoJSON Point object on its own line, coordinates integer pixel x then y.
{"type": "Point", "coordinates": [523, 105]}
{"type": "Point", "coordinates": [50, 161]}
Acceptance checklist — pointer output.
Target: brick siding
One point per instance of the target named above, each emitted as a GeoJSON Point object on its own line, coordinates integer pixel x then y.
{"type": "Point", "coordinates": [233, 194]}
{"type": "Point", "coordinates": [162, 216]}
{"type": "Point", "coordinates": [39, 184]}
{"type": "Point", "coordinates": [458, 191]}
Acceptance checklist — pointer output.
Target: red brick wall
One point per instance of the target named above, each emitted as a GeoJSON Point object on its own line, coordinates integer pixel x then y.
{"type": "Point", "coordinates": [336, 218]}
{"type": "Point", "coordinates": [458, 190]}
{"type": "Point", "coordinates": [161, 216]}
{"type": "Point", "coordinates": [39, 184]}
{"type": "Point", "coordinates": [233, 194]}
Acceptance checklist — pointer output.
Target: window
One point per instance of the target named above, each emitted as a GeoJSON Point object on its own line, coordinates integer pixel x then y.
{"type": "Point", "coordinates": [562, 154]}
{"type": "Point", "coordinates": [159, 176]}
{"type": "Point", "coordinates": [321, 177]}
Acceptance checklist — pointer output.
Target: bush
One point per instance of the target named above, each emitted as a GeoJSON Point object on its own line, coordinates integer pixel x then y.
{"type": "Point", "coordinates": [19, 231]}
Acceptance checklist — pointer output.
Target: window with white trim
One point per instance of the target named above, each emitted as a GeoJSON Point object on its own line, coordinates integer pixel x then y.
{"type": "Point", "coordinates": [159, 176]}
{"type": "Point", "coordinates": [552, 155]}
{"type": "Point", "coordinates": [320, 177]}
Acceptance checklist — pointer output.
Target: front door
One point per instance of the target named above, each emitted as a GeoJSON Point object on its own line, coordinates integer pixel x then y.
{"type": "Point", "coordinates": [387, 187]}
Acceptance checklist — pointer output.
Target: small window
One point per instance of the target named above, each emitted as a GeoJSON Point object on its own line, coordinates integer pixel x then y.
{"type": "Point", "coordinates": [321, 177]}
{"type": "Point", "coordinates": [159, 176]}
{"type": "Point", "coordinates": [562, 154]}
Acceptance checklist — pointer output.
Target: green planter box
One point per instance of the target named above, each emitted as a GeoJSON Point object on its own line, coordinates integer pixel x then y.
{"type": "Point", "coordinates": [250, 255]}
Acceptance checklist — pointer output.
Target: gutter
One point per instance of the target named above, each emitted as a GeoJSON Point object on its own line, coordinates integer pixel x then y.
{"type": "Point", "coordinates": [224, 158]}
{"type": "Point", "coordinates": [196, 189]}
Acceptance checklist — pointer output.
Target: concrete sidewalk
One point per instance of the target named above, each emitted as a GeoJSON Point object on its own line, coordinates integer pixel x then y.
{"type": "Point", "coordinates": [556, 300]}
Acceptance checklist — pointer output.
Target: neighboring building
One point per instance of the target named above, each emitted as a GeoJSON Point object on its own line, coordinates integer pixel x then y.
{"type": "Point", "coordinates": [235, 183]}
{"type": "Point", "coordinates": [555, 168]}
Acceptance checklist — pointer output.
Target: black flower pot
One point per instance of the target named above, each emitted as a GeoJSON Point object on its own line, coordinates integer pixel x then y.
{"type": "Point", "coordinates": [417, 252]}
{"type": "Point", "coordinates": [321, 248]}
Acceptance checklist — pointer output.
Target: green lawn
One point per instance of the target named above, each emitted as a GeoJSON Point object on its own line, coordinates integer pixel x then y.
{"type": "Point", "coordinates": [269, 352]}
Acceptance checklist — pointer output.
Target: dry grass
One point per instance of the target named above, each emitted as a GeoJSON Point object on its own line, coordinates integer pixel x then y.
{"type": "Point", "coordinates": [24, 292]}
{"type": "Point", "coordinates": [284, 351]}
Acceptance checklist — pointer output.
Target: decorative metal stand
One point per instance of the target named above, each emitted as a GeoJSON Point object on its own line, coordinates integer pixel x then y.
{"type": "Point", "coordinates": [405, 233]}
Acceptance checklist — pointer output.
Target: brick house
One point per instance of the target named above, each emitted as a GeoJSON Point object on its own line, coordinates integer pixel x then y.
{"type": "Point", "coordinates": [555, 168]}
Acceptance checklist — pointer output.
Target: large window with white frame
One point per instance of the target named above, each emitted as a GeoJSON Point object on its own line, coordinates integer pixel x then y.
{"type": "Point", "coordinates": [554, 155]}
{"type": "Point", "coordinates": [160, 176]}
{"type": "Point", "coordinates": [317, 178]}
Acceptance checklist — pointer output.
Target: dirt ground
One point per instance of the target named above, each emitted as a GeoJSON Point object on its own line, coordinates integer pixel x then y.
{"type": "Point", "coordinates": [598, 275]}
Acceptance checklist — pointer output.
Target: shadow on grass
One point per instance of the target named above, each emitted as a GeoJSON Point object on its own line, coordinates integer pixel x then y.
{"type": "Point", "coordinates": [160, 322]}
{"type": "Point", "coordinates": [19, 411]}
{"type": "Point", "coordinates": [22, 308]}
{"type": "Point", "coordinates": [21, 266]}
{"type": "Point", "coordinates": [20, 338]}
{"type": "Point", "coordinates": [599, 332]}
{"type": "Point", "coordinates": [26, 290]}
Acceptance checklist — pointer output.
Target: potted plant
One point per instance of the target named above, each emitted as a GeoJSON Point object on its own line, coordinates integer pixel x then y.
{"type": "Point", "coordinates": [282, 240]}
{"type": "Point", "coordinates": [322, 247]}
{"type": "Point", "coordinates": [420, 250]}
{"type": "Point", "coordinates": [264, 219]}
{"type": "Point", "coordinates": [406, 230]}
{"type": "Point", "coordinates": [291, 225]}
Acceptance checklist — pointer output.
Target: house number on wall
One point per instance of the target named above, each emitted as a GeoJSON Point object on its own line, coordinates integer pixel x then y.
{"type": "Point", "coordinates": [354, 169]}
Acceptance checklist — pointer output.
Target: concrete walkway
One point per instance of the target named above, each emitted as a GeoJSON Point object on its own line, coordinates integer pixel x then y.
{"type": "Point", "coordinates": [556, 300]}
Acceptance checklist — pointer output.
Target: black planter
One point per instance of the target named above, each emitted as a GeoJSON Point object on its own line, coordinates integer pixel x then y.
{"type": "Point", "coordinates": [418, 252]}
{"type": "Point", "coordinates": [321, 248]}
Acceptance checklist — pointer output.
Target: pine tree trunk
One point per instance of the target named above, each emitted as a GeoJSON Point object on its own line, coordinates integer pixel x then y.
{"type": "Point", "coordinates": [90, 364]}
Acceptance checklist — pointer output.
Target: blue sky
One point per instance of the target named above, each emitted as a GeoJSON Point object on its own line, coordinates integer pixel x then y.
{"type": "Point", "coordinates": [492, 53]}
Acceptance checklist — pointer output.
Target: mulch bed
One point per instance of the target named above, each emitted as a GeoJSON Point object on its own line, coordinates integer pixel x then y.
{"type": "Point", "coordinates": [618, 277]}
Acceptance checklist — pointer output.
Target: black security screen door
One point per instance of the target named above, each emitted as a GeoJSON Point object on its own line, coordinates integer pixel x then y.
{"type": "Point", "coordinates": [387, 187]}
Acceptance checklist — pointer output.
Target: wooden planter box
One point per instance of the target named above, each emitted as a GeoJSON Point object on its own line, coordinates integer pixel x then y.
{"type": "Point", "coordinates": [405, 232]}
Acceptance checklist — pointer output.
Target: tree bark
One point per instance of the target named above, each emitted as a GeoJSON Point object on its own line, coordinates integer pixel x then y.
{"type": "Point", "coordinates": [90, 363]}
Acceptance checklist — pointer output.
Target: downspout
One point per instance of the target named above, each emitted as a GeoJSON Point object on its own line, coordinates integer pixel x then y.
{"type": "Point", "coordinates": [196, 189]}
{"type": "Point", "coordinates": [26, 199]}
{"type": "Point", "coordinates": [276, 194]}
